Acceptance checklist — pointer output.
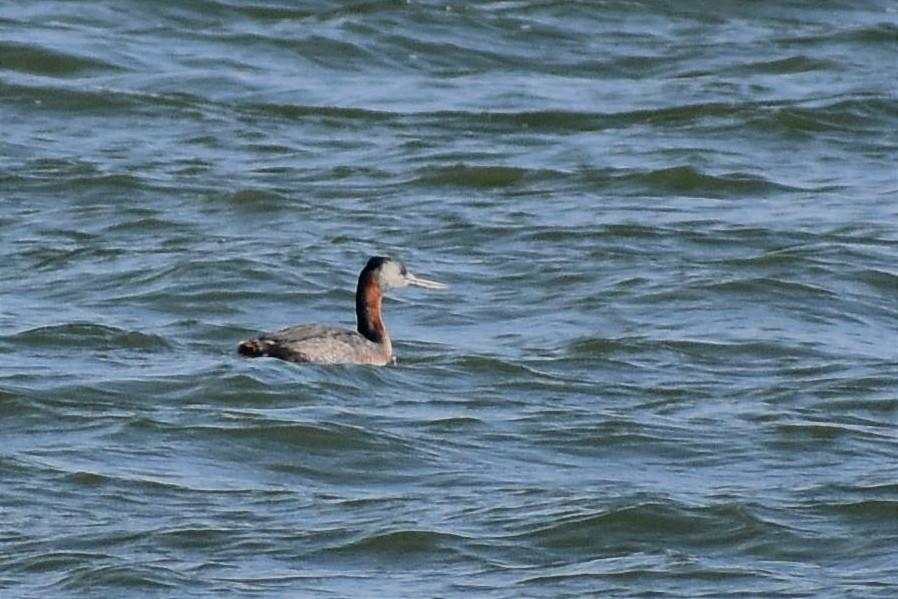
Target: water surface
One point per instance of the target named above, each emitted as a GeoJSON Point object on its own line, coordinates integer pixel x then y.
{"type": "Point", "coordinates": [665, 366]}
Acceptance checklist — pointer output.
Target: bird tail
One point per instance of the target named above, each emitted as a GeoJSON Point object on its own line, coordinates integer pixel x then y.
{"type": "Point", "coordinates": [252, 348]}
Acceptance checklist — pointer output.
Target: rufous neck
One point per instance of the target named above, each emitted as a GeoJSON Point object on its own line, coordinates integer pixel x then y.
{"type": "Point", "coordinates": [368, 299]}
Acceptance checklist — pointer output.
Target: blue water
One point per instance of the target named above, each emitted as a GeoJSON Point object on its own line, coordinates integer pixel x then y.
{"type": "Point", "coordinates": [665, 366]}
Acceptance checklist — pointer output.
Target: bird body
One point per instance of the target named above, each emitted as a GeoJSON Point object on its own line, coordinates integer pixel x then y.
{"type": "Point", "coordinates": [320, 344]}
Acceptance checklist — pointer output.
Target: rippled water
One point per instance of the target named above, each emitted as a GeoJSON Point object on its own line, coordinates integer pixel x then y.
{"type": "Point", "coordinates": [666, 365]}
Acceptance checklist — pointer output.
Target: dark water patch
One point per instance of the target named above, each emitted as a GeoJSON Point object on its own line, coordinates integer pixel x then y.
{"type": "Point", "coordinates": [402, 544]}
{"type": "Point", "coordinates": [87, 480]}
{"type": "Point", "coordinates": [314, 437]}
{"type": "Point", "coordinates": [203, 286]}
{"type": "Point", "coordinates": [336, 54]}
{"type": "Point", "coordinates": [880, 512]}
{"type": "Point", "coordinates": [336, 116]}
{"type": "Point", "coordinates": [793, 64]}
{"type": "Point", "coordinates": [616, 437]}
{"type": "Point", "coordinates": [882, 33]}
{"type": "Point", "coordinates": [146, 222]}
{"type": "Point", "coordinates": [772, 287]}
{"type": "Point", "coordinates": [633, 231]}
{"type": "Point", "coordinates": [448, 56]}
{"type": "Point", "coordinates": [870, 507]}
{"type": "Point", "coordinates": [821, 434]}
{"type": "Point", "coordinates": [258, 386]}
{"type": "Point", "coordinates": [708, 351]}
{"type": "Point", "coordinates": [169, 274]}
{"type": "Point", "coordinates": [57, 168]}
{"type": "Point", "coordinates": [70, 100]}
{"type": "Point", "coordinates": [883, 406]}
{"type": "Point", "coordinates": [690, 181]}
{"type": "Point", "coordinates": [681, 181]}
{"type": "Point", "coordinates": [861, 387]}
{"type": "Point", "coordinates": [456, 423]}
{"type": "Point", "coordinates": [886, 489]}
{"type": "Point", "coordinates": [801, 120]}
{"type": "Point", "coordinates": [780, 259]}
{"type": "Point", "coordinates": [616, 576]}
{"type": "Point", "coordinates": [866, 36]}
{"type": "Point", "coordinates": [278, 12]}
{"type": "Point", "coordinates": [102, 184]}
{"type": "Point", "coordinates": [480, 364]}
{"type": "Point", "coordinates": [59, 561]}
{"type": "Point", "coordinates": [122, 577]}
{"type": "Point", "coordinates": [860, 113]}
{"type": "Point", "coordinates": [192, 167]}
{"type": "Point", "coordinates": [357, 172]}
{"type": "Point", "coordinates": [632, 528]}
{"type": "Point", "coordinates": [480, 177]}
{"type": "Point", "coordinates": [589, 347]}
{"type": "Point", "coordinates": [198, 537]}
{"type": "Point", "coordinates": [89, 336]}
{"type": "Point", "coordinates": [61, 259]}
{"type": "Point", "coordinates": [880, 280]}
{"type": "Point", "coordinates": [537, 374]}
{"type": "Point", "coordinates": [556, 121]}
{"type": "Point", "coordinates": [585, 121]}
{"type": "Point", "coordinates": [44, 61]}
{"type": "Point", "coordinates": [95, 104]}
{"type": "Point", "coordinates": [684, 115]}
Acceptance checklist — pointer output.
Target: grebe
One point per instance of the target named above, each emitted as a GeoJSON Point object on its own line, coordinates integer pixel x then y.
{"type": "Point", "coordinates": [318, 344]}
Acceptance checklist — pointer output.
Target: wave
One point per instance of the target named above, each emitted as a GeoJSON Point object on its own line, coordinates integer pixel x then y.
{"type": "Point", "coordinates": [405, 543]}
{"type": "Point", "coordinates": [678, 180]}
{"type": "Point", "coordinates": [36, 60]}
{"type": "Point", "coordinates": [87, 335]}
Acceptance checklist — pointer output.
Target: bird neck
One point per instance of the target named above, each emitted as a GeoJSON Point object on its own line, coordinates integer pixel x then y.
{"type": "Point", "coordinates": [368, 299]}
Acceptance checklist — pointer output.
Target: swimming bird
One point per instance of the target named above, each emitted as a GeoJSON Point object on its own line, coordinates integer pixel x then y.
{"type": "Point", "coordinates": [319, 344]}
